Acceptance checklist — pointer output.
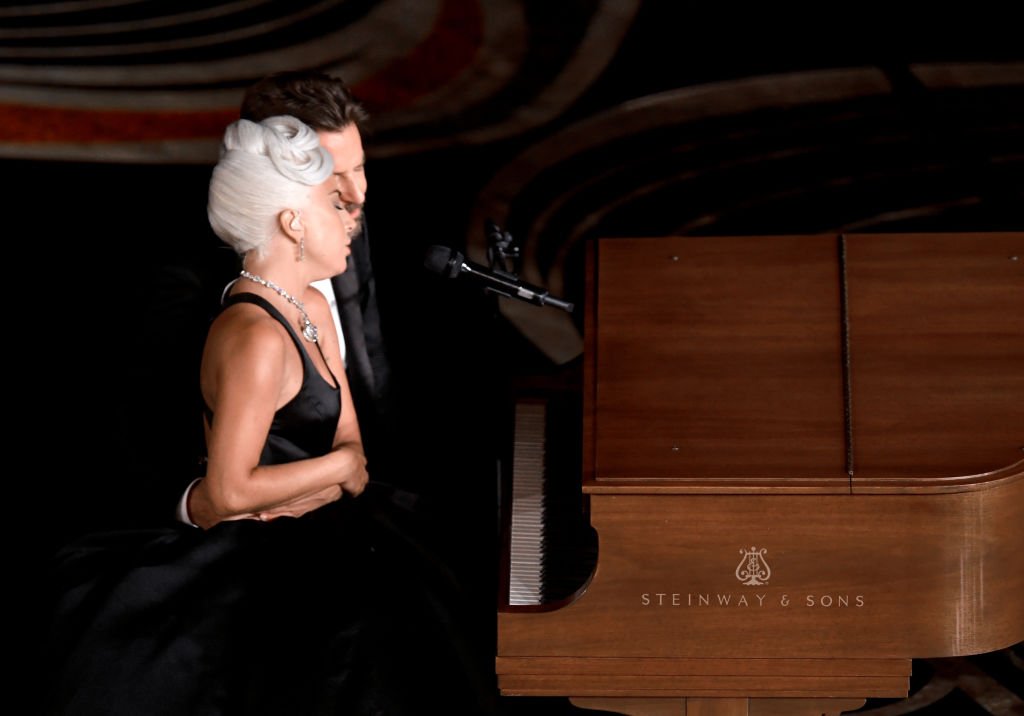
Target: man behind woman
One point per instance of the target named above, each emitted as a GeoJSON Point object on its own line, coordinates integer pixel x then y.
{"type": "Point", "coordinates": [324, 612]}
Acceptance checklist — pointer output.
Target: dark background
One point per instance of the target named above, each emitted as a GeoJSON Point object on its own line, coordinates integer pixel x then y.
{"type": "Point", "coordinates": [115, 272]}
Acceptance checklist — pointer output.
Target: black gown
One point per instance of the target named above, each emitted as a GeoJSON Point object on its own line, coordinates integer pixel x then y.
{"type": "Point", "coordinates": [336, 612]}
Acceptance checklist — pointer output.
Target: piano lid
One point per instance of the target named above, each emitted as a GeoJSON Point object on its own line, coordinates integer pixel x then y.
{"type": "Point", "coordinates": [937, 350]}
{"type": "Point", "coordinates": [800, 362]}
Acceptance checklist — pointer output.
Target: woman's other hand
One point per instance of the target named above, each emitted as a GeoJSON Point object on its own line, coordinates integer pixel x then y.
{"type": "Point", "coordinates": [355, 476]}
{"type": "Point", "coordinates": [302, 505]}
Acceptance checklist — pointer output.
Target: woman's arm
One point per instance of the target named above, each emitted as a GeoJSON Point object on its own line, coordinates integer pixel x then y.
{"type": "Point", "coordinates": [250, 369]}
{"type": "Point", "coordinates": [347, 436]}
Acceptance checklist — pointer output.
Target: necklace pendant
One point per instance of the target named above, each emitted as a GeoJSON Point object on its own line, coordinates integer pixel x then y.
{"type": "Point", "coordinates": [309, 330]}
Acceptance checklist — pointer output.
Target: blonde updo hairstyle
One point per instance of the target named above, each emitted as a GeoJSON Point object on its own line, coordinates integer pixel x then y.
{"type": "Point", "coordinates": [265, 168]}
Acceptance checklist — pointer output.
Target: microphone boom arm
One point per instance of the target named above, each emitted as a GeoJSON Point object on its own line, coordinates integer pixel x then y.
{"type": "Point", "coordinates": [510, 286]}
{"type": "Point", "coordinates": [450, 263]}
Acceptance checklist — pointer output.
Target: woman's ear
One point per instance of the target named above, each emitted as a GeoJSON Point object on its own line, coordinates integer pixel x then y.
{"type": "Point", "coordinates": [291, 224]}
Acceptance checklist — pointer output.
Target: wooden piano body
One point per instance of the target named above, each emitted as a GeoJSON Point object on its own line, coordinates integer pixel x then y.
{"type": "Point", "coordinates": [804, 461]}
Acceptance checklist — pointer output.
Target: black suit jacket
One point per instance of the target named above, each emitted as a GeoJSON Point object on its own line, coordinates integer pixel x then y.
{"type": "Point", "coordinates": [367, 365]}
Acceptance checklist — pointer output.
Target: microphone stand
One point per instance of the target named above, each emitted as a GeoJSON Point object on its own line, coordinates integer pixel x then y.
{"type": "Point", "coordinates": [504, 259]}
{"type": "Point", "coordinates": [503, 255]}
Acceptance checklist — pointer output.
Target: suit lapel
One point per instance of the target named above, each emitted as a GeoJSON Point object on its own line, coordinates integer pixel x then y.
{"type": "Point", "coordinates": [357, 359]}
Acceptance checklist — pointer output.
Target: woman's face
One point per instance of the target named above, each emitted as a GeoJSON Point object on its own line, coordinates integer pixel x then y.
{"type": "Point", "coordinates": [328, 229]}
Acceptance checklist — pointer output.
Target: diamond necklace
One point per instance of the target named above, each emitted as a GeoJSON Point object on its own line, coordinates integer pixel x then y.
{"type": "Point", "coordinates": [309, 329]}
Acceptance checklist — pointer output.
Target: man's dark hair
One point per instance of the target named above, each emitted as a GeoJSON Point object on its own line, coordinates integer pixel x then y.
{"type": "Point", "coordinates": [319, 100]}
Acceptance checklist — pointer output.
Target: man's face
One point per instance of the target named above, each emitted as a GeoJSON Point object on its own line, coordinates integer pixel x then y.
{"type": "Point", "coordinates": [346, 148]}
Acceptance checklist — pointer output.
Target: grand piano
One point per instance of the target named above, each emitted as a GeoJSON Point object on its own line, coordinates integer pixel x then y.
{"type": "Point", "coordinates": [803, 459]}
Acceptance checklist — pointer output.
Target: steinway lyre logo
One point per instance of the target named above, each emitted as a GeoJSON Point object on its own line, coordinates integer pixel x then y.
{"type": "Point", "coordinates": [753, 569]}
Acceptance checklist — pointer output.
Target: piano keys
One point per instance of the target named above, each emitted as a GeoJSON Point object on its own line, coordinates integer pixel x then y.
{"type": "Point", "coordinates": [551, 547]}
{"type": "Point", "coordinates": [527, 523]}
{"type": "Point", "coordinates": [803, 458]}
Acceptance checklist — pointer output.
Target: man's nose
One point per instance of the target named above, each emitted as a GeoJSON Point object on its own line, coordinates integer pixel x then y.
{"type": "Point", "coordinates": [351, 191]}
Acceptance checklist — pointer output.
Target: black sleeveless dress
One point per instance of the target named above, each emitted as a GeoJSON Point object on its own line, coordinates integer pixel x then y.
{"type": "Point", "coordinates": [336, 612]}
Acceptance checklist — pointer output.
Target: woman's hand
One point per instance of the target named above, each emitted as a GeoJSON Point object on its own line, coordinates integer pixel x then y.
{"type": "Point", "coordinates": [302, 505]}
{"type": "Point", "coordinates": [351, 471]}
{"type": "Point", "coordinates": [355, 480]}
{"type": "Point", "coordinates": [202, 514]}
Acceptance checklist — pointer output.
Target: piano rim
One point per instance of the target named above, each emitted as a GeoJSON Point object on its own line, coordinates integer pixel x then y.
{"type": "Point", "coordinates": [825, 485]}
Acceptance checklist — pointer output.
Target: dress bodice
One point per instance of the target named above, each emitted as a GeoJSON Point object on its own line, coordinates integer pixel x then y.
{"type": "Point", "coordinates": [303, 427]}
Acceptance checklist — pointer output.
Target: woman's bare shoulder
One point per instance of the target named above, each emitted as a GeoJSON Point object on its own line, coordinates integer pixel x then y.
{"type": "Point", "coordinates": [246, 332]}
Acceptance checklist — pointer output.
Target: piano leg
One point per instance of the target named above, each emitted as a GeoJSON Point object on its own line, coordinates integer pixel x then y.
{"type": "Point", "coordinates": [634, 707]}
{"type": "Point", "coordinates": [719, 706]}
{"type": "Point", "coordinates": [802, 707]}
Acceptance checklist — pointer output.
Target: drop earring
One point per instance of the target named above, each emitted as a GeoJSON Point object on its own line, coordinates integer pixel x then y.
{"type": "Point", "coordinates": [296, 226]}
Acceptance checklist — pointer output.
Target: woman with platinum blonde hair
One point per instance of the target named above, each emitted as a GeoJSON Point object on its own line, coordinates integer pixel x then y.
{"type": "Point", "coordinates": [263, 170]}
{"type": "Point", "coordinates": [274, 199]}
{"type": "Point", "coordinates": [296, 597]}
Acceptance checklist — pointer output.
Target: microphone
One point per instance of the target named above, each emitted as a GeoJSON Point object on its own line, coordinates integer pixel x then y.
{"type": "Point", "coordinates": [450, 264]}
